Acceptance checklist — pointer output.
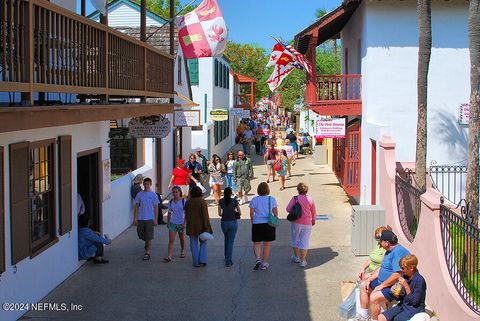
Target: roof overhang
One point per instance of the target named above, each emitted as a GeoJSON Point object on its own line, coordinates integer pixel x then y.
{"type": "Point", "coordinates": [241, 78]}
{"type": "Point", "coordinates": [326, 27]}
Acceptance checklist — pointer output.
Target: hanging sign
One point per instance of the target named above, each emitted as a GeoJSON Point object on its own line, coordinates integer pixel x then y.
{"type": "Point", "coordinates": [106, 179]}
{"type": "Point", "coordinates": [236, 111]}
{"type": "Point", "coordinates": [149, 127]}
{"type": "Point", "coordinates": [219, 114]}
{"type": "Point", "coordinates": [245, 113]}
{"type": "Point", "coordinates": [464, 114]}
{"type": "Point", "coordinates": [186, 118]}
{"type": "Point", "coordinates": [332, 128]}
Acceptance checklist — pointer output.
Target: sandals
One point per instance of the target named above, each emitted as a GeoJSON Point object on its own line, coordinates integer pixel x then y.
{"type": "Point", "coordinates": [183, 255]}
{"type": "Point", "coordinates": [146, 256]}
{"type": "Point", "coordinates": [167, 259]}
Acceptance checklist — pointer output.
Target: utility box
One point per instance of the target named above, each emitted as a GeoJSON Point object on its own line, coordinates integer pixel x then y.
{"type": "Point", "coordinates": [320, 155]}
{"type": "Point", "coordinates": [365, 220]}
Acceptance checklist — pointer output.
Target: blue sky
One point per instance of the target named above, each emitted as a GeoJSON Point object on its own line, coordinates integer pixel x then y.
{"type": "Point", "coordinates": [253, 21]}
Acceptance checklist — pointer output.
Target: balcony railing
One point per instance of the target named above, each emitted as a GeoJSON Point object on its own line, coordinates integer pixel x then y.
{"type": "Point", "coordinates": [339, 87]}
{"type": "Point", "coordinates": [46, 48]}
{"type": "Point", "coordinates": [244, 100]}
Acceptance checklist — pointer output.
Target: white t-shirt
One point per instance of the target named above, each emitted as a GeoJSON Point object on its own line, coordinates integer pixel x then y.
{"type": "Point", "coordinates": [289, 150]}
{"type": "Point", "coordinates": [230, 166]}
{"type": "Point", "coordinates": [260, 206]}
{"type": "Point", "coordinates": [248, 134]}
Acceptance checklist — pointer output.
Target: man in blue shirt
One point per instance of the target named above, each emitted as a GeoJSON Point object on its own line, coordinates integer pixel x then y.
{"type": "Point", "coordinates": [145, 215]}
{"type": "Point", "coordinates": [375, 290]}
{"type": "Point", "coordinates": [90, 243]}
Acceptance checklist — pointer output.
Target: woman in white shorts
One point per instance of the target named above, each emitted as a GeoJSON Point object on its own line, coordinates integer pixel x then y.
{"type": "Point", "coordinates": [302, 227]}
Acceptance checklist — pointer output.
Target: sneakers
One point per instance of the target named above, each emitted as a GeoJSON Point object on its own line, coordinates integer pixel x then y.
{"type": "Point", "coordinates": [295, 259]}
{"type": "Point", "coordinates": [360, 318]}
{"type": "Point", "coordinates": [302, 264]}
{"type": "Point", "coordinates": [264, 266]}
{"type": "Point", "coordinates": [257, 265]}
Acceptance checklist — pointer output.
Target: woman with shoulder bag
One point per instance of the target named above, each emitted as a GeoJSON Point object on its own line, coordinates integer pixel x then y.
{"type": "Point", "coordinates": [229, 211]}
{"type": "Point", "coordinates": [217, 170]}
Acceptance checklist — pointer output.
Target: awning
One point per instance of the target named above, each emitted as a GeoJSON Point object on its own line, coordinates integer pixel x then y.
{"type": "Point", "coordinates": [326, 27]}
{"type": "Point", "coordinates": [190, 103]}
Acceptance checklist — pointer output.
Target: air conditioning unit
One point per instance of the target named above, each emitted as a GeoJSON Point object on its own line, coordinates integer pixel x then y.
{"type": "Point", "coordinates": [365, 220]}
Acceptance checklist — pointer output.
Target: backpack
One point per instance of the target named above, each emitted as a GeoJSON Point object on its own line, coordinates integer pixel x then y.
{"type": "Point", "coordinates": [295, 212]}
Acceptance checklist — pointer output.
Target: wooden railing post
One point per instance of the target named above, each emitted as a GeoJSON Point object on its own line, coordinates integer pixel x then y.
{"type": "Point", "coordinates": [27, 97]}
{"type": "Point", "coordinates": [311, 94]}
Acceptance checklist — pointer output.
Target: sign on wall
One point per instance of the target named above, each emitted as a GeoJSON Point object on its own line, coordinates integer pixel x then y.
{"type": "Point", "coordinates": [245, 113]}
{"type": "Point", "coordinates": [464, 114]}
{"type": "Point", "coordinates": [107, 170]}
{"type": "Point", "coordinates": [236, 111]}
{"type": "Point", "coordinates": [186, 118]}
{"type": "Point", "coordinates": [219, 114]}
{"type": "Point", "coordinates": [332, 128]}
{"type": "Point", "coordinates": [149, 127]}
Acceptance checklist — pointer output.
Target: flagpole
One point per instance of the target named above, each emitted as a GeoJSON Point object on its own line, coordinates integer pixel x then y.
{"type": "Point", "coordinates": [171, 19]}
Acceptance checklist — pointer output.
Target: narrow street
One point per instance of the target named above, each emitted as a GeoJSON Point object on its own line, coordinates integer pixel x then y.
{"type": "Point", "coordinates": [130, 289]}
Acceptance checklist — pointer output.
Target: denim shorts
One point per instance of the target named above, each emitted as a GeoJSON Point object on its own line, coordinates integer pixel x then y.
{"type": "Point", "coordinates": [387, 293]}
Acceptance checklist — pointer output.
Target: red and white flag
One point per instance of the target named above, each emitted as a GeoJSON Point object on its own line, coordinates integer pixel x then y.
{"type": "Point", "coordinates": [279, 73]}
{"type": "Point", "coordinates": [203, 32]}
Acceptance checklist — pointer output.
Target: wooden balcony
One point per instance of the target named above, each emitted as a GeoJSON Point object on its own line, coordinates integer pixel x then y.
{"type": "Point", "coordinates": [336, 95]}
{"type": "Point", "coordinates": [246, 85]}
{"type": "Point", "coordinates": [245, 101]}
{"type": "Point", "coordinates": [45, 48]}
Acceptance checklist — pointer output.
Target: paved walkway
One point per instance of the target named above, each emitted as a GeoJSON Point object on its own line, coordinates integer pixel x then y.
{"type": "Point", "coordinates": [130, 289]}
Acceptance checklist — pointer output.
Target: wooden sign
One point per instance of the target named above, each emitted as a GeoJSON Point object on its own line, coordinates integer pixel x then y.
{"type": "Point", "coordinates": [186, 118]}
{"type": "Point", "coordinates": [149, 127]}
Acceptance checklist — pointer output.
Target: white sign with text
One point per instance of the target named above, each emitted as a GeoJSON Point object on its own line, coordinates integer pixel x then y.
{"type": "Point", "coordinates": [186, 118]}
{"type": "Point", "coordinates": [332, 128]}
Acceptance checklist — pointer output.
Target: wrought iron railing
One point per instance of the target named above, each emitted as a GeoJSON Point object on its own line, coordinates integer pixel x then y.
{"type": "Point", "coordinates": [450, 180]}
{"type": "Point", "coordinates": [408, 202]}
{"type": "Point", "coordinates": [461, 242]}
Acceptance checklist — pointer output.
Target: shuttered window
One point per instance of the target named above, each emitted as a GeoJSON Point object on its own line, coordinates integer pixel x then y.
{"type": "Point", "coordinates": [216, 72]}
{"type": "Point", "coordinates": [19, 201]}
{"type": "Point", "coordinates": [65, 183]}
{"type": "Point", "coordinates": [179, 75]}
{"type": "Point", "coordinates": [2, 212]}
{"type": "Point", "coordinates": [228, 78]}
{"type": "Point", "coordinates": [193, 71]}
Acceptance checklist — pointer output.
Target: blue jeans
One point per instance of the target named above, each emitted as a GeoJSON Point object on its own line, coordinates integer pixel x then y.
{"type": "Point", "coordinates": [246, 148]}
{"type": "Point", "coordinates": [199, 253]}
{"type": "Point", "coordinates": [229, 229]}
{"type": "Point", "coordinates": [231, 182]}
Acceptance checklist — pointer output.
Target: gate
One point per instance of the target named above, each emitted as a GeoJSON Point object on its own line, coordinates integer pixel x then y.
{"type": "Point", "coordinates": [346, 159]}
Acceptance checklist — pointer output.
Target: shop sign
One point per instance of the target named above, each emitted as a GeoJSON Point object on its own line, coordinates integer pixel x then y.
{"type": "Point", "coordinates": [332, 128]}
{"type": "Point", "coordinates": [186, 118]}
{"type": "Point", "coordinates": [245, 113]}
{"type": "Point", "coordinates": [236, 111]}
{"type": "Point", "coordinates": [464, 114]}
{"type": "Point", "coordinates": [149, 127]}
{"type": "Point", "coordinates": [219, 114]}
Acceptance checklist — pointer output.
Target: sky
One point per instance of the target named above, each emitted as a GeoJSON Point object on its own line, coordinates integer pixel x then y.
{"type": "Point", "coordinates": [254, 21]}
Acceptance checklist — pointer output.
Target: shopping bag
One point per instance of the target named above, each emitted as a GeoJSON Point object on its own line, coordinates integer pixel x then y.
{"type": "Point", "coordinates": [201, 187]}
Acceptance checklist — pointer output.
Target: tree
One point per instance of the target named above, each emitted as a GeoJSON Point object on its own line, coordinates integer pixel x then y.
{"type": "Point", "coordinates": [162, 7]}
{"type": "Point", "coordinates": [424, 11]}
{"type": "Point", "coordinates": [250, 60]}
{"type": "Point", "coordinates": [473, 131]}
{"type": "Point", "coordinates": [320, 13]}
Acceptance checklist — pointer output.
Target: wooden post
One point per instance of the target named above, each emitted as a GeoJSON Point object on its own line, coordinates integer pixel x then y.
{"type": "Point", "coordinates": [84, 7]}
{"type": "Point", "coordinates": [143, 20]}
{"type": "Point", "coordinates": [27, 97]}
{"type": "Point", "coordinates": [311, 94]}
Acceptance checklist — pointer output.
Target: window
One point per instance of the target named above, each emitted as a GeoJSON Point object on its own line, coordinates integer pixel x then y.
{"type": "Point", "coordinates": [179, 67]}
{"type": "Point", "coordinates": [41, 193]}
{"type": "Point", "coordinates": [224, 76]}
{"type": "Point", "coordinates": [193, 71]}
{"type": "Point", "coordinates": [123, 151]}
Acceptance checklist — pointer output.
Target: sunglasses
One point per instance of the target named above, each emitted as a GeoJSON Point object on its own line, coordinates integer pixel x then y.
{"type": "Point", "coordinates": [377, 238]}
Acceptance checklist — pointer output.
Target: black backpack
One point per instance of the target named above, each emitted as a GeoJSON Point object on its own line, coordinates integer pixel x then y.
{"type": "Point", "coordinates": [295, 212]}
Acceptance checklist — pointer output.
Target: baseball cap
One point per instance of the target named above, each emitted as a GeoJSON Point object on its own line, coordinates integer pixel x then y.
{"type": "Point", "coordinates": [388, 236]}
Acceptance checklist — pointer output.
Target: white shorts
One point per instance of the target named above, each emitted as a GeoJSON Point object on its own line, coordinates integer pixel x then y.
{"type": "Point", "coordinates": [301, 235]}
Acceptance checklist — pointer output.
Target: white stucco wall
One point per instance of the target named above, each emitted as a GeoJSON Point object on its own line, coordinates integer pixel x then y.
{"type": "Point", "coordinates": [388, 34]}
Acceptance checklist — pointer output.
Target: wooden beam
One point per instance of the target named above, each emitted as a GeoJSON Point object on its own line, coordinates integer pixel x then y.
{"type": "Point", "coordinates": [143, 20]}
{"type": "Point", "coordinates": [84, 8]}
{"type": "Point", "coordinates": [337, 108]}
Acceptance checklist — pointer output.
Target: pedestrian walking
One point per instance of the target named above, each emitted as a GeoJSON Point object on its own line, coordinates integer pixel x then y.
{"type": "Point", "coordinates": [176, 222]}
{"type": "Point", "coordinates": [181, 177]}
{"type": "Point", "coordinates": [290, 156]}
{"type": "Point", "coordinates": [243, 174]}
{"type": "Point", "coordinates": [247, 140]}
{"type": "Point", "coordinates": [145, 215]}
{"type": "Point", "coordinates": [195, 168]}
{"type": "Point", "coordinates": [302, 227]}
{"type": "Point", "coordinates": [282, 172]}
{"type": "Point", "coordinates": [261, 207]}
{"type": "Point", "coordinates": [229, 165]}
{"type": "Point", "coordinates": [269, 159]}
{"type": "Point", "coordinates": [197, 222]}
{"type": "Point", "coordinates": [229, 211]}
{"type": "Point", "coordinates": [217, 173]}
{"type": "Point", "coordinates": [200, 158]}
{"type": "Point", "coordinates": [293, 142]}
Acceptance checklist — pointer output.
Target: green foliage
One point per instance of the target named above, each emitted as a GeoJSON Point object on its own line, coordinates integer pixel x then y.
{"type": "Point", "coordinates": [292, 88]}
{"type": "Point", "coordinates": [328, 62]}
{"type": "Point", "coordinates": [162, 7]}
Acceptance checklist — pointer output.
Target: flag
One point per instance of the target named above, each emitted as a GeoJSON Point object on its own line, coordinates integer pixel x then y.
{"type": "Point", "coordinates": [100, 5]}
{"type": "Point", "coordinates": [279, 73]}
{"type": "Point", "coordinates": [202, 32]}
{"type": "Point", "coordinates": [277, 52]}
{"type": "Point", "coordinates": [299, 60]}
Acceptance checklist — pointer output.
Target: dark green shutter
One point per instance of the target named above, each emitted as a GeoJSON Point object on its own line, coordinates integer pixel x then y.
{"type": "Point", "coordinates": [2, 213]}
{"type": "Point", "coordinates": [216, 72]}
{"type": "Point", "coordinates": [19, 201]}
{"type": "Point", "coordinates": [228, 78]}
{"type": "Point", "coordinates": [193, 71]}
{"type": "Point", "coordinates": [65, 183]}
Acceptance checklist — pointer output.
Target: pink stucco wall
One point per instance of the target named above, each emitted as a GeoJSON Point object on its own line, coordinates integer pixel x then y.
{"type": "Point", "coordinates": [442, 295]}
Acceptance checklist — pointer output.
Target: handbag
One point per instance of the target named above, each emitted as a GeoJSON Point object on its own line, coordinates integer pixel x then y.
{"type": "Point", "coordinates": [237, 213]}
{"type": "Point", "coordinates": [273, 220]}
{"type": "Point", "coordinates": [205, 236]}
{"type": "Point", "coordinates": [201, 187]}
{"type": "Point", "coordinates": [295, 212]}
{"type": "Point", "coordinates": [278, 165]}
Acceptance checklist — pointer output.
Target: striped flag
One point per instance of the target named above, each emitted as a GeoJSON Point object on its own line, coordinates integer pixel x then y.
{"type": "Point", "coordinates": [299, 60]}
